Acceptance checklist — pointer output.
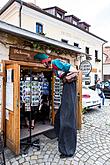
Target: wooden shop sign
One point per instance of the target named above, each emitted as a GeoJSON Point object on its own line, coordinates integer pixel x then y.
{"type": "Point", "coordinates": [25, 55]}
{"type": "Point", "coordinates": [21, 54]}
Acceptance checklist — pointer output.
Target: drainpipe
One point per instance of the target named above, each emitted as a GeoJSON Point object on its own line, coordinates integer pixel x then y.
{"type": "Point", "coordinates": [102, 61]}
{"type": "Point", "coordinates": [21, 4]}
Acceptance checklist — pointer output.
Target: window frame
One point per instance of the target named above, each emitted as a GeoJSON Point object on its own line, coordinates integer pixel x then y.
{"type": "Point", "coordinates": [64, 41]}
{"type": "Point", "coordinates": [87, 50]}
{"type": "Point", "coordinates": [38, 29]}
{"type": "Point", "coordinates": [96, 54]}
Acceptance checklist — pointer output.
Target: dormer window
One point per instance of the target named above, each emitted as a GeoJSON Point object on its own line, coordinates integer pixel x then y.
{"type": "Point", "coordinates": [56, 11]}
{"type": "Point", "coordinates": [72, 19]}
{"type": "Point", "coordinates": [74, 22]}
{"type": "Point", "coordinates": [39, 28]}
{"type": "Point", "coordinates": [84, 25]}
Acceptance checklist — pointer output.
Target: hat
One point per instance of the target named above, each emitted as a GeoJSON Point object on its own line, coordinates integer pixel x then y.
{"type": "Point", "coordinates": [44, 58]}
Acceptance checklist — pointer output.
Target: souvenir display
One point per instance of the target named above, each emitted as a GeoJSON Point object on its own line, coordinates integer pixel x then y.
{"type": "Point", "coordinates": [58, 86]}
{"type": "Point", "coordinates": [45, 87]}
{"type": "Point", "coordinates": [31, 91]}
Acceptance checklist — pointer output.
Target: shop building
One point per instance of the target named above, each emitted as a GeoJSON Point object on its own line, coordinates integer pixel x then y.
{"type": "Point", "coordinates": [22, 76]}
{"type": "Point", "coordinates": [26, 29]}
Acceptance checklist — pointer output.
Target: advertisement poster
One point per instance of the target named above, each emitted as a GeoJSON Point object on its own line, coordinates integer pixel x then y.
{"type": "Point", "coordinates": [9, 96]}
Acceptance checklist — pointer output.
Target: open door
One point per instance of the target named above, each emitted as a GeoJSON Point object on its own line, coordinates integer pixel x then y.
{"type": "Point", "coordinates": [12, 107]}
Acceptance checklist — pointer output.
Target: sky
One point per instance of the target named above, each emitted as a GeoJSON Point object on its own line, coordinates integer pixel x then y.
{"type": "Point", "coordinates": [94, 12]}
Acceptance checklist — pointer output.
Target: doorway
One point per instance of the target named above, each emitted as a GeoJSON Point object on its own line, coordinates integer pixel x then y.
{"type": "Point", "coordinates": [35, 100]}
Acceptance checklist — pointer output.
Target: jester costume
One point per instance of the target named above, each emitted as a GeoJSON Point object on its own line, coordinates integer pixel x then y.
{"type": "Point", "coordinates": [65, 119]}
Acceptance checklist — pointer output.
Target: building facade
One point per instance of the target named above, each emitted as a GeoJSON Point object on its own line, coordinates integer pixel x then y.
{"type": "Point", "coordinates": [26, 29]}
{"type": "Point", "coordinates": [54, 23]}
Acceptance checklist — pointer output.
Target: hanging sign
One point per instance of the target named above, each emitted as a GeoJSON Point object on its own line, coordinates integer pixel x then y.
{"type": "Point", "coordinates": [85, 67]}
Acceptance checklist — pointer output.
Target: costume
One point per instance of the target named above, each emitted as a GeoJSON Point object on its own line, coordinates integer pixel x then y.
{"type": "Point", "coordinates": [65, 119]}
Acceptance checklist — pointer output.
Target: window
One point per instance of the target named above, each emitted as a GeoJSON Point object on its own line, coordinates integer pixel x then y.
{"type": "Point", "coordinates": [85, 28]}
{"type": "Point", "coordinates": [59, 15]}
{"type": "Point", "coordinates": [96, 54]}
{"type": "Point", "coordinates": [39, 28]}
{"type": "Point", "coordinates": [65, 41]}
{"type": "Point", "coordinates": [88, 58]}
{"type": "Point", "coordinates": [87, 50]}
{"type": "Point", "coordinates": [95, 78]}
{"type": "Point", "coordinates": [74, 22]}
{"type": "Point", "coordinates": [76, 45]}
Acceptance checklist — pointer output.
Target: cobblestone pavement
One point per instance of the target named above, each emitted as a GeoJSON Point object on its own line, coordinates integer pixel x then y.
{"type": "Point", "coordinates": [93, 146]}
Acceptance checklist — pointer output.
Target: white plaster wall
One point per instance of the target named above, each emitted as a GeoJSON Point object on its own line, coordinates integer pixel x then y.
{"type": "Point", "coordinates": [59, 30]}
{"type": "Point", "coordinates": [11, 15]}
{"type": "Point", "coordinates": [106, 69]}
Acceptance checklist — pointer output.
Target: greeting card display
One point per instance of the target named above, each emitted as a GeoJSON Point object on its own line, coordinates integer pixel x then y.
{"type": "Point", "coordinates": [31, 91]}
{"type": "Point", "coordinates": [58, 86]}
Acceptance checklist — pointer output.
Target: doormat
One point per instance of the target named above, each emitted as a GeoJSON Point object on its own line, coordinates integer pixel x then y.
{"type": "Point", "coordinates": [50, 134]}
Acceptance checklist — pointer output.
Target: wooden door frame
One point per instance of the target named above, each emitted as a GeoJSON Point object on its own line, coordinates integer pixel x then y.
{"type": "Point", "coordinates": [25, 65]}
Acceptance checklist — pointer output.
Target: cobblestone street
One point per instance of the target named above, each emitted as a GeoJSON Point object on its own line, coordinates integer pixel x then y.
{"type": "Point", "coordinates": [93, 146]}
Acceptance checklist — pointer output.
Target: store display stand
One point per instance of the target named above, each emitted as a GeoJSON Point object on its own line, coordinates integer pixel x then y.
{"type": "Point", "coordinates": [30, 143]}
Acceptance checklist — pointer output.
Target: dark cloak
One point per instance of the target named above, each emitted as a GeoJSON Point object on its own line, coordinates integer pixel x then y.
{"type": "Point", "coordinates": [65, 120]}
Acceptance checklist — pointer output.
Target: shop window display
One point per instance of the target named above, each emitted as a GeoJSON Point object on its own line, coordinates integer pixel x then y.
{"type": "Point", "coordinates": [58, 86]}
{"type": "Point", "coordinates": [31, 92]}
{"type": "Point", "coordinates": [36, 98]}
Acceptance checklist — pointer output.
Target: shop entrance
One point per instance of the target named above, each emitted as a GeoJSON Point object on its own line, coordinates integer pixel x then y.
{"type": "Point", "coordinates": [17, 102]}
{"type": "Point", "coordinates": [28, 90]}
{"type": "Point", "coordinates": [35, 101]}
